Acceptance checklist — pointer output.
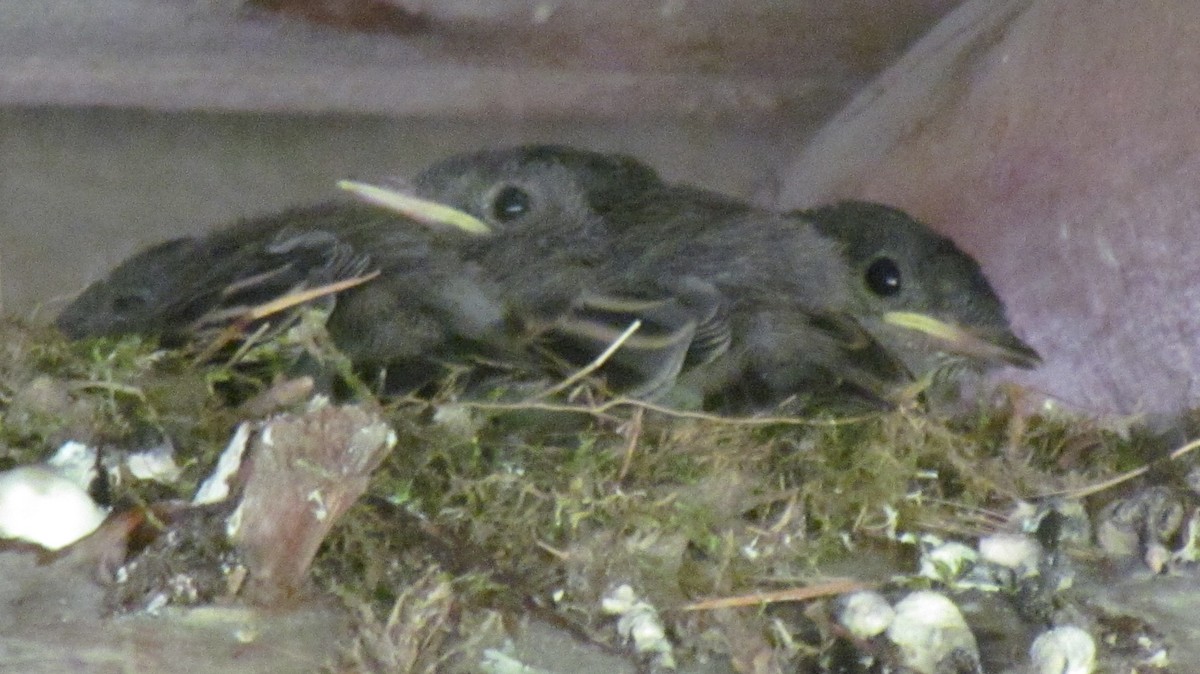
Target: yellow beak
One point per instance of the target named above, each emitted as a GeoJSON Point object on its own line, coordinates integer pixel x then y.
{"type": "Point", "coordinates": [1006, 347]}
{"type": "Point", "coordinates": [424, 211]}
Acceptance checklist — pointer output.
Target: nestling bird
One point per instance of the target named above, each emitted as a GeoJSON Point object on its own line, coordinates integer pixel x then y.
{"type": "Point", "coordinates": [777, 319]}
{"type": "Point", "coordinates": [544, 244]}
{"type": "Point", "coordinates": [733, 296]}
{"type": "Point", "coordinates": [549, 260]}
{"type": "Point", "coordinates": [918, 294]}
{"type": "Point", "coordinates": [534, 251]}
{"type": "Point", "coordinates": [448, 291]}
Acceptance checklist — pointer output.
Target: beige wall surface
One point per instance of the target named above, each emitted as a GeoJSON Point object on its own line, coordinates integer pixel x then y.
{"type": "Point", "coordinates": [123, 122]}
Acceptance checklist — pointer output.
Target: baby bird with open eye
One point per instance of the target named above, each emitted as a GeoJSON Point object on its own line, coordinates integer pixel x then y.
{"type": "Point", "coordinates": [453, 284]}
{"type": "Point", "coordinates": [545, 244]}
{"type": "Point", "coordinates": [856, 299]}
{"type": "Point", "coordinates": [920, 296]}
{"type": "Point", "coordinates": [555, 264]}
{"type": "Point", "coordinates": [736, 300]}
{"type": "Point", "coordinates": [539, 250]}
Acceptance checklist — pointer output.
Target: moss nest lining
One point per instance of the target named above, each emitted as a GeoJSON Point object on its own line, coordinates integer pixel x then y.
{"type": "Point", "coordinates": [496, 508]}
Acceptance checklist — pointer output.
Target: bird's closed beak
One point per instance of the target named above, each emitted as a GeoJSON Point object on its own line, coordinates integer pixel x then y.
{"type": "Point", "coordinates": [424, 211]}
{"type": "Point", "coordinates": [999, 348]}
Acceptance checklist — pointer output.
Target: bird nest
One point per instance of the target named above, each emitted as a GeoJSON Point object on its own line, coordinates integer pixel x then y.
{"type": "Point", "coordinates": [432, 532]}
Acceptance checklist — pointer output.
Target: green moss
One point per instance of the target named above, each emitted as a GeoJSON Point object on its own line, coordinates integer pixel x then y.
{"type": "Point", "coordinates": [511, 502]}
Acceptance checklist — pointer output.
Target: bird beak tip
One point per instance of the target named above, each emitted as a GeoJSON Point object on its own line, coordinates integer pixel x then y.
{"type": "Point", "coordinates": [996, 348]}
{"type": "Point", "coordinates": [1022, 355]}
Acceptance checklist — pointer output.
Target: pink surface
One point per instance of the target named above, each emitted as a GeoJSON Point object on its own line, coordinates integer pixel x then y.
{"type": "Point", "coordinates": [1059, 142]}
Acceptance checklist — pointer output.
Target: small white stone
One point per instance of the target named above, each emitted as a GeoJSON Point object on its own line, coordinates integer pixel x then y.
{"type": "Point", "coordinates": [621, 600]}
{"type": "Point", "coordinates": [39, 505]}
{"type": "Point", "coordinates": [157, 464]}
{"type": "Point", "coordinates": [929, 630]}
{"type": "Point", "coordinates": [646, 632]}
{"type": "Point", "coordinates": [75, 461]}
{"type": "Point", "coordinates": [866, 614]}
{"type": "Point", "coordinates": [1063, 650]}
{"type": "Point", "coordinates": [1018, 552]}
{"type": "Point", "coordinates": [946, 562]}
{"type": "Point", "coordinates": [639, 623]}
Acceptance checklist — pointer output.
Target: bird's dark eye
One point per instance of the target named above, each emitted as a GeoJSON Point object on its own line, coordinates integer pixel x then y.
{"type": "Point", "coordinates": [510, 203]}
{"type": "Point", "coordinates": [883, 277]}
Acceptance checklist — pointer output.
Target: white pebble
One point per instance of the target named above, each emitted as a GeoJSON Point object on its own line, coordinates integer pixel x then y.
{"type": "Point", "coordinates": [1018, 552]}
{"type": "Point", "coordinates": [1063, 650]}
{"type": "Point", "coordinates": [157, 464]}
{"type": "Point", "coordinates": [41, 506]}
{"type": "Point", "coordinates": [75, 461]}
{"type": "Point", "coordinates": [946, 562]}
{"type": "Point", "coordinates": [929, 630]}
{"type": "Point", "coordinates": [866, 614]}
{"type": "Point", "coordinates": [639, 623]}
